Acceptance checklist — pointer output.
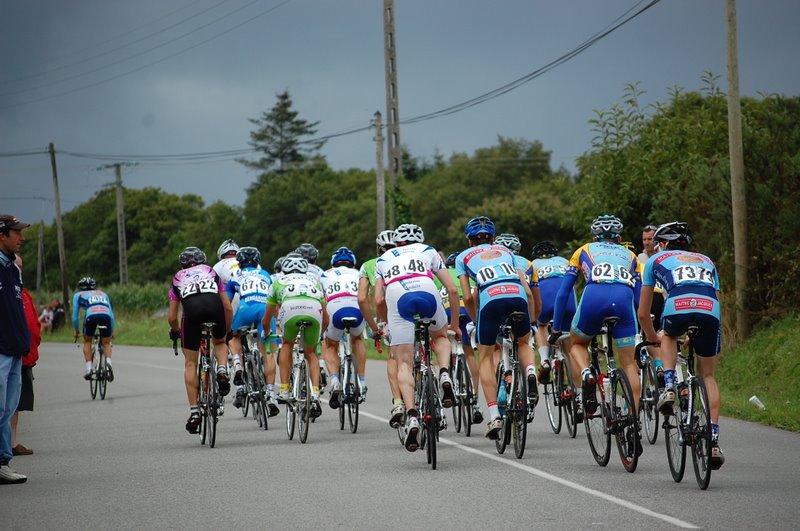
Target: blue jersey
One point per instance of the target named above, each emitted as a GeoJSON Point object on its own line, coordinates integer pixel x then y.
{"type": "Point", "coordinates": [544, 269]}
{"type": "Point", "coordinates": [95, 301]}
{"type": "Point", "coordinates": [494, 269]}
{"type": "Point", "coordinates": [690, 281]}
{"type": "Point", "coordinates": [252, 284]}
{"type": "Point", "coordinates": [605, 262]}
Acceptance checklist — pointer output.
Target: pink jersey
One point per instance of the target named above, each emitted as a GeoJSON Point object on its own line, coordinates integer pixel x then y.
{"type": "Point", "coordinates": [198, 279]}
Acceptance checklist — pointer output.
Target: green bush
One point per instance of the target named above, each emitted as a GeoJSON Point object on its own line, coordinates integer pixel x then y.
{"type": "Point", "coordinates": [124, 298]}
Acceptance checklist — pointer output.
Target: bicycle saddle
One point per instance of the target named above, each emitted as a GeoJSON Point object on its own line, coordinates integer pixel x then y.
{"type": "Point", "coordinates": [516, 317]}
{"type": "Point", "coordinates": [349, 322]}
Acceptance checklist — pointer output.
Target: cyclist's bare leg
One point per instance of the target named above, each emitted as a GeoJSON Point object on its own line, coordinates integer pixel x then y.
{"type": "Point", "coordinates": [190, 375]}
{"type": "Point", "coordinates": [472, 363]}
{"type": "Point", "coordinates": [285, 364]}
{"type": "Point", "coordinates": [487, 372]}
{"type": "Point", "coordinates": [107, 348]}
{"type": "Point", "coordinates": [440, 344]}
{"type": "Point", "coordinates": [360, 352]}
{"type": "Point", "coordinates": [269, 368]}
{"type": "Point", "coordinates": [669, 352]}
{"type": "Point", "coordinates": [235, 345]}
{"type": "Point", "coordinates": [330, 353]}
{"type": "Point", "coordinates": [524, 351]}
{"type": "Point", "coordinates": [404, 354]}
{"type": "Point", "coordinates": [391, 374]}
{"type": "Point", "coordinates": [310, 353]}
{"type": "Point", "coordinates": [579, 355]}
{"type": "Point", "coordinates": [627, 360]}
{"type": "Point", "coordinates": [87, 348]}
{"type": "Point", "coordinates": [221, 352]}
{"type": "Point", "coordinates": [541, 339]}
{"type": "Point", "coordinates": [706, 367]}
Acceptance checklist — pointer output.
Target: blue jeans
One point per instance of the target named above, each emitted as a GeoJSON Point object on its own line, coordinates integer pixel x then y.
{"type": "Point", "coordinates": [10, 385]}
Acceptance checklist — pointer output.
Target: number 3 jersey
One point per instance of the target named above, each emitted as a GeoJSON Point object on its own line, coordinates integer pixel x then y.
{"type": "Point", "coordinates": [494, 269]}
{"type": "Point", "coordinates": [340, 282]}
{"type": "Point", "coordinates": [194, 281]}
{"type": "Point", "coordinates": [252, 284]}
{"type": "Point", "coordinates": [690, 281]}
{"type": "Point", "coordinates": [605, 263]}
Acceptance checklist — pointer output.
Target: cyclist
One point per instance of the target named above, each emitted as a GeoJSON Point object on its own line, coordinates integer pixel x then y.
{"type": "Point", "coordinates": [547, 272]}
{"type": "Point", "coordinates": [612, 284]}
{"type": "Point", "coordinates": [98, 313]}
{"type": "Point", "coordinates": [311, 254]}
{"type": "Point", "coordinates": [340, 283]}
{"type": "Point", "coordinates": [296, 297]}
{"type": "Point", "coordinates": [691, 283]}
{"type": "Point", "coordinates": [199, 291]}
{"type": "Point", "coordinates": [251, 284]}
{"type": "Point", "coordinates": [657, 306]}
{"type": "Point", "coordinates": [366, 283]}
{"type": "Point", "coordinates": [502, 289]}
{"type": "Point", "coordinates": [463, 320]}
{"type": "Point", "coordinates": [404, 288]}
{"type": "Point", "coordinates": [227, 265]}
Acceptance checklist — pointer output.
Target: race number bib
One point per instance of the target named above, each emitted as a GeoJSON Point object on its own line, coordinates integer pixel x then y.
{"type": "Point", "coordinates": [611, 273]}
{"type": "Point", "coordinates": [301, 289]}
{"type": "Point", "coordinates": [496, 272]}
{"type": "Point", "coordinates": [692, 273]}
{"type": "Point", "coordinates": [253, 286]}
{"type": "Point", "coordinates": [342, 286]}
{"type": "Point", "coordinates": [201, 286]}
{"type": "Point", "coordinates": [546, 271]}
{"type": "Point", "coordinates": [414, 266]}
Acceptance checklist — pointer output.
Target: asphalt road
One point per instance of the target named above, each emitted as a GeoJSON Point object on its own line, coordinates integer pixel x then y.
{"type": "Point", "coordinates": [127, 462]}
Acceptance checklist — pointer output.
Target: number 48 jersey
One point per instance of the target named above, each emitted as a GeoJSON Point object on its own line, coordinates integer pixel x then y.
{"type": "Point", "coordinates": [605, 263]}
{"type": "Point", "coordinates": [409, 265]}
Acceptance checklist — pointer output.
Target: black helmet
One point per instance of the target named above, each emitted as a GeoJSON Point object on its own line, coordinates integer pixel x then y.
{"type": "Point", "coordinates": [277, 268]}
{"type": "Point", "coordinates": [248, 255]}
{"type": "Point", "coordinates": [191, 256]}
{"type": "Point", "coordinates": [544, 249]}
{"type": "Point", "coordinates": [451, 260]}
{"type": "Point", "coordinates": [87, 283]}
{"type": "Point", "coordinates": [674, 231]}
{"type": "Point", "coordinates": [308, 251]}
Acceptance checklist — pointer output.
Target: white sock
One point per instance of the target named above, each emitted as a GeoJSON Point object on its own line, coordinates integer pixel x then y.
{"type": "Point", "coordinates": [362, 380]}
{"type": "Point", "coordinates": [335, 378]}
{"type": "Point", "coordinates": [108, 362]}
{"type": "Point", "coordinates": [88, 366]}
{"type": "Point", "coordinates": [494, 412]}
{"type": "Point", "coordinates": [530, 369]}
{"type": "Point", "coordinates": [237, 360]}
{"type": "Point", "coordinates": [544, 353]}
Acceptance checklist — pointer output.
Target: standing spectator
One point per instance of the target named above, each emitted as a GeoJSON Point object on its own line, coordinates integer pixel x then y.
{"type": "Point", "coordinates": [14, 338]}
{"type": "Point", "coordinates": [46, 319]}
{"type": "Point", "coordinates": [28, 361]}
{"type": "Point", "coordinates": [648, 244]}
{"type": "Point", "coordinates": [59, 315]}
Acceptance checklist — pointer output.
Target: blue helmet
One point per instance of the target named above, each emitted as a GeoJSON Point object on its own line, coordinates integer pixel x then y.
{"type": "Point", "coordinates": [343, 254]}
{"type": "Point", "coordinates": [479, 225]}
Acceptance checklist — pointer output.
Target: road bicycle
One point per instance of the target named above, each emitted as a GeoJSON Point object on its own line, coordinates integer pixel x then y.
{"type": "Point", "coordinates": [613, 412]}
{"type": "Point", "coordinates": [648, 402]}
{"type": "Point", "coordinates": [514, 410]}
{"type": "Point", "coordinates": [348, 376]}
{"type": "Point", "coordinates": [462, 386]}
{"type": "Point", "coordinates": [689, 422]}
{"type": "Point", "coordinates": [426, 393]}
{"type": "Point", "coordinates": [99, 376]}
{"type": "Point", "coordinates": [298, 405]}
{"type": "Point", "coordinates": [559, 392]}
{"type": "Point", "coordinates": [255, 385]}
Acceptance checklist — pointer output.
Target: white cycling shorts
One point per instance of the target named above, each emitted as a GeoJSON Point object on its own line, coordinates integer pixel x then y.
{"type": "Point", "coordinates": [406, 298]}
{"type": "Point", "coordinates": [339, 309]}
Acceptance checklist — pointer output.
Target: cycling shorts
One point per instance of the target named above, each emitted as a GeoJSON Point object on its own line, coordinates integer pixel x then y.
{"type": "Point", "coordinates": [249, 315]}
{"type": "Point", "coordinates": [494, 313]}
{"type": "Point", "coordinates": [601, 301]}
{"type": "Point", "coordinates": [404, 304]}
{"type": "Point", "coordinates": [302, 309]}
{"type": "Point", "coordinates": [340, 308]}
{"type": "Point", "coordinates": [97, 319]}
{"type": "Point", "coordinates": [709, 336]}
{"type": "Point", "coordinates": [198, 309]}
{"type": "Point", "coordinates": [548, 289]}
{"type": "Point", "coordinates": [463, 320]}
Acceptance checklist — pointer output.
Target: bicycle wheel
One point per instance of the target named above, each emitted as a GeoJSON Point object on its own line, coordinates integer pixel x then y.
{"type": "Point", "coordinates": [625, 422]}
{"type": "Point", "coordinates": [552, 400]}
{"type": "Point", "coordinates": [701, 433]}
{"type": "Point", "coordinates": [458, 380]}
{"type": "Point", "coordinates": [597, 432]}
{"type": "Point", "coordinates": [566, 397]}
{"type": "Point", "coordinates": [213, 405]}
{"type": "Point", "coordinates": [260, 389]}
{"type": "Point", "coordinates": [469, 397]}
{"type": "Point", "coordinates": [355, 397]}
{"type": "Point", "coordinates": [94, 382]}
{"type": "Point", "coordinates": [519, 413]}
{"type": "Point", "coordinates": [505, 434]}
{"type": "Point", "coordinates": [648, 411]}
{"type": "Point", "coordinates": [202, 400]}
{"type": "Point", "coordinates": [431, 417]}
{"type": "Point", "coordinates": [248, 371]}
{"type": "Point", "coordinates": [674, 441]}
{"type": "Point", "coordinates": [102, 378]}
{"type": "Point", "coordinates": [305, 402]}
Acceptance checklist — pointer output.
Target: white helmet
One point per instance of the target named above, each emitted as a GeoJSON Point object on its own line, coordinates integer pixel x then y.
{"type": "Point", "coordinates": [385, 239]}
{"type": "Point", "coordinates": [227, 246]}
{"type": "Point", "coordinates": [294, 264]}
{"type": "Point", "coordinates": [407, 233]}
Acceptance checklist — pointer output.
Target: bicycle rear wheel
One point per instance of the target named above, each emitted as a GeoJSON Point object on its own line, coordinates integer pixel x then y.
{"type": "Point", "coordinates": [355, 398]}
{"type": "Point", "coordinates": [674, 441]}
{"type": "Point", "coordinates": [260, 389]}
{"type": "Point", "coordinates": [552, 400]}
{"type": "Point", "coordinates": [519, 413]}
{"type": "Point", "coordinates": [305, 402]}
{"type": "Point", "coordinates": [213, 408]}
{"type": "Point", "coordinates": [458, 380]}
{"type": "Point", "coordinates": [701, 433]}
{"type": "Point", "coordinates": [505, 433]}
{"type": "Point", "coordinates": [466, 405]}
{"type": "Point", "coordinates": [102, 378]}
{"type": "Point", "coordinates": [202, 400]}
{"type": "Point", "coordinates": [625, 422]}
{"type": "Point", "coordinates": [94, 382]}
{"type": "Point", "coordinates": [431, 417]}
{"type": "Point", "coordinates": [648, 411]}
{"type": "Point", "coordinates": [597, 432]}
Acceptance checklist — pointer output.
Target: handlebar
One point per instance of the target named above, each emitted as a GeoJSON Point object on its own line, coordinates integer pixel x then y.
{"type": "Point", "coordinates": [175, 346]}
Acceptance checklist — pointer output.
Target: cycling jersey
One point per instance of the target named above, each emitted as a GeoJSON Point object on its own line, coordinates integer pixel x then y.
{"type": "Point", "coordinates": [341, 292]}
{"type": "Point", "coordinates": [443, 290]}
{"type": "Point", "coordinates": [547, 274]}
{"type": "Point", "coordinates": [300, 297]}
{"type": "Point", "coordinates": [315, 271]}
{"type": "Point", "coordinates": [226, 268]}
{"type": "Point", "coordinates": [197, 288]}
{"type": "Point", "coordinates": [193, 281]}
{"type": "Point", "coordinates": [689, 279]}
{"type": "Point", "coordinates": [98, 311]}
{"type": "Point", "coordinates": [251, 284]}
{"type": "Point", "coordinates": [368, 271]}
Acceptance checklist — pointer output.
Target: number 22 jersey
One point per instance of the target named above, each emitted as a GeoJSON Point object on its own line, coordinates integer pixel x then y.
{"type": "Point", "coordinates": [194, 281]}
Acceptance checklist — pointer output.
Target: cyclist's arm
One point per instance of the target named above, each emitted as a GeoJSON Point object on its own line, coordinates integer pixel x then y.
{"type": "Point", "coordinates": [111, 314]}
{"type": "Point", "coordinates": [226, 305]}
{"type": "Point", "coordinates": [380, 300]}
{"type": "Point", "coordinates": [645, 322]}
{"type": "Point", "coordinates": [76, 310]}
{"type": "Point", "coordinates": [272, 309]}
{"type": "Point", "coordinates": [452, 295]}
{"type": "Point", "coordinates": [528, 295]}
{"type": "Point", "coordinates": [363, 304]}
{"type": "Point", "coordinates": [567, 283]}
{"type": "Point", "coordinates": [469, 296]}
{"type": "Point", "coordinates": [230, 290]}
{"type": "Point", "coordinates": [537, 303]}
{"type": "Point", "coordinates": [325, 316]}
{"type": "Point", "coordinates": [172, 315]}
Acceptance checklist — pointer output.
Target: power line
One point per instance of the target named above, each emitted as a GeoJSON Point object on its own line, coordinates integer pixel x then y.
{"type": "Point", "coordinates": [170, 56]}
{"type": "Point", "coordinates": [23, 153]}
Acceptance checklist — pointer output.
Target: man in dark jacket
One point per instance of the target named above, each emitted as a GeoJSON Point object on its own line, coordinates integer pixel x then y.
{"type": "Point", "coordinates": [14, 338]}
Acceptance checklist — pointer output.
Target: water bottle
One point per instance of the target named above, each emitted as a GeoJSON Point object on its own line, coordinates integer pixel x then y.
{"type": "Point", "coordinates": [607, 389]}
{"type": "Point", "coordinates": [502, 397]}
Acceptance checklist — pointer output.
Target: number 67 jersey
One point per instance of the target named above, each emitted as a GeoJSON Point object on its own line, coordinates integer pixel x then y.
{"type": "Point", "coordinates": [690, 281]}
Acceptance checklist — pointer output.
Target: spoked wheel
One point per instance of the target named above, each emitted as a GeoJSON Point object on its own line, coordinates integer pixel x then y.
{"type": "Point", "coordinates": [305, 403]}
{"type": "Point", "coordinates": [466, 405]}
{"type": "Point", "coordinates": [595, 424]}
{"type": "Point", "coordinates": [291, 416]}
{"type": "Point", "coordinates": [648, 412]}
{"type": "Point", "coordinates": [458, 379]}
{"type": "Point", "coordinates": [352, 405]}
{"type": "Point", "coordinates": [567, 399]}
{"type": "Point", "coordinates": [431, 418]}
{"type": "Point", "coordinates": [701, 434]}
{"type": "Point", "coordinates": [552, 401]}
{"type": "Point", "coordinates": [519, 414]}
{"type": "Point", "coordinates": [673, 439]}
{"type": "Point", "coordinates": [505, 432]}
{"type": "Point", "coordinates": [626, 422]}
{"type": "Point", "coordinates": [102, 377]}
{"type": "Point", "coordinates": [213, 407]}
{"type": "Point", "coordinates": [248, 370]}
{"type": "Point", "coordinates": [94, 381]}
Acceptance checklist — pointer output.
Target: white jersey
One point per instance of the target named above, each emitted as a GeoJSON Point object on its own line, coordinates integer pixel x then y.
{"type": "Point", "coordinates": [340, 282]}
{"type": "Point", "coordinates": [315, 271]}
{"type": "Point", "coordinates": [409, 265]}
{"type": "Point", "coordinates": [226, 268]}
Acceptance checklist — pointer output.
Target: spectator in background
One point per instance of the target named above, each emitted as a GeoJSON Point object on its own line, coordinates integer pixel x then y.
{"type": "Point", "coordinates": [28, 361]}
{"type": "Point", "coordinates": [46, 319]}
{"type": "Point", "coordinates": [59, 314]}
{"type": "Point", "coordinates": [649, 246]}
{"type": "Point", "coordinates": [14, 338]}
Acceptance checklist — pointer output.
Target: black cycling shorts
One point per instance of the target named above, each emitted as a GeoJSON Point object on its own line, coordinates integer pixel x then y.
{"type": "Point", "coordinates": [198, 309]}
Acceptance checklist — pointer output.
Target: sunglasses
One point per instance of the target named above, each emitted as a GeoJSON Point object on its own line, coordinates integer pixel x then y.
{"type": "Point", "coordinates": [648, 228]}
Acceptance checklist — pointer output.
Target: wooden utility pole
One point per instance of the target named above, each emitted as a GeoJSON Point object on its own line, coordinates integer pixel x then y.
{"type": "Point", "coordinates": [380, 183]}
{"type": "Point", "coordinates": [121, 243]}
{"type": "Point", "coordinates": [392, 112]}
{"type": "Point", "coordinates": [62, 255]}
{"type": "Point", "coordinates": [738, 199]}
{"type": "Point", "coordinates": [39, 257]}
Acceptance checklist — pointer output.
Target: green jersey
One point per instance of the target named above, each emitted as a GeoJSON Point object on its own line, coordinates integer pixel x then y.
{"type": "Point", "coordinates": [368, 271]}
{"type": "Point", "coordinates": [295, 286]}
{"type": "Point", "coordinates": [457, 282]}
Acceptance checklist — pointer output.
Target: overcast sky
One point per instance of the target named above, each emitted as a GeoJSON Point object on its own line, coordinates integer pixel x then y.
{"type": "Point", "coordinates": [329, 55]}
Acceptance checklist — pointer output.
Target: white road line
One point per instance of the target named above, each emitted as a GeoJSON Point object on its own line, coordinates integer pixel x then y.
{"type": "Point", "coordinates": [550, 477]}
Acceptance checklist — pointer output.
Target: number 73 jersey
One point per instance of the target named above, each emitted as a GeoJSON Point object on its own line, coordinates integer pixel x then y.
{"type": "Point", "coordinates": [605, 263]}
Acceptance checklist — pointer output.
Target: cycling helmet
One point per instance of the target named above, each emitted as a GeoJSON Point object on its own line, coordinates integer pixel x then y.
{"type": "Point", "coordinates": [674, 231]}
{"type": "Point", "coordinates": [385, 240]}
{"type": "Point", "coordinates": [309, 252]}
{"type": "Point", "coordinates": [248, 255]}
{"type": "Point", "coordinates": [294, 264]}
{"type": "Point", "coordinates": [479, 225]}
{"type": "Point", "coordinates": [511, 241]}
{"type": "Point", "coordinates": [606, 226]}
{"type": "Point", "coordinates": [228, 246]}
{"type": "Point", "coordinates": [544, 249]}
{"type": "Point", "coordinates": [343, 254]}
{"type": "Point", "coordinates": [87, 283]}
{"type": "Point", "coordinates": [191, 256]}
{"type": "Point", "coordinates": [277, 267]}
{"type": "Point", "coordinates": [451, 260]}
{"type": "Point", "coordinates": [408, 233]}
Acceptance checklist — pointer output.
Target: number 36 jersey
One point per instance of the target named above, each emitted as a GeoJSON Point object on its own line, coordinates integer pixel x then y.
{"type": "Point", "coordinates": [409, 266]}
{"type": "Point", "coordinates": [690, 281]}
{"type": "Point", "coordinates": [605, 263]}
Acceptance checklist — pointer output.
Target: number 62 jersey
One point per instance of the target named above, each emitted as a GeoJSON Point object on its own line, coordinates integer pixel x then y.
{"type": "Point", "coordinates": [605, 263]}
